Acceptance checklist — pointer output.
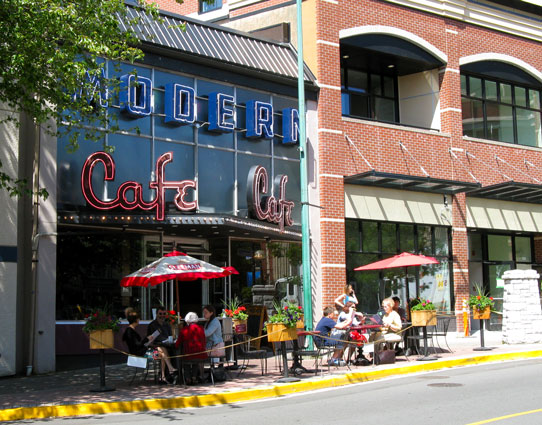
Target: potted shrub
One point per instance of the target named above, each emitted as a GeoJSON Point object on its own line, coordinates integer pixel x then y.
{"type": "Point", "coordinates": [282, 325]}
{"type": "Point", "coordinates": [100, 327]}
{"type": "Point", "coordinates": [239, 316]}
{"type": "Point", "coordinates": [422, 312]}
{"type": "Point", "coordinates": [481, 303]}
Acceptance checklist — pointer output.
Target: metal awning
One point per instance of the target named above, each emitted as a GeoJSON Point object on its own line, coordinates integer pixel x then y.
{"type": "Point", "coordinates": [200, 225]}
{"type": "Point", "coordinates": [221, 44]}
{"type": "Point", "coordinates": [414, 183]}
{"type": "Point", "coordinates": [511, 191]}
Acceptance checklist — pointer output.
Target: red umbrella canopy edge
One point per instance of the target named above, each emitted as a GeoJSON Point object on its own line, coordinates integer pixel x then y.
{"type": "Point", "coordinates": [175, 266]}
{"type": "Point", "coordinates": [406, 259]}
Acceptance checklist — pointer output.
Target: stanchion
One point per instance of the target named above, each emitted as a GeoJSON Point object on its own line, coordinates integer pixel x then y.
{"type": "Point", "coordinates": [102, 387]}
{"type": "Point", "coordinates": [482, 346]}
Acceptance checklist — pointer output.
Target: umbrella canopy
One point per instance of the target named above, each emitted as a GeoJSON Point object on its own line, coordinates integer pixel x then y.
{"type": "Point", "coordinates": [175, 266]}
{"type": "Point", "coordinates": [405, 259]}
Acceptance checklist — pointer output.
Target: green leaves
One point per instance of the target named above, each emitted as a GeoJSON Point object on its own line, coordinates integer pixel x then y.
{"type": "Point", "coordinates": [46, 49]}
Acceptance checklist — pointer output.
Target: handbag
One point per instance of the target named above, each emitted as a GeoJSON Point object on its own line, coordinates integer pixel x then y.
{"type": "Point", "coordinates": [218, 350]}
{"type": "Point", "coordinates": [385, 357]}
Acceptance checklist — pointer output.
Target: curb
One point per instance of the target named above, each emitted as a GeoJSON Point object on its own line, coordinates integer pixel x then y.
{"type": "Point", "coordinates": [277, 390]}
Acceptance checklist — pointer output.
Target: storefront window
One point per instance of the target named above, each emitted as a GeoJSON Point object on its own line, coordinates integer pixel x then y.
{"type": "Point", "coordinates": [523, 249]}
{"type": "Point", "coordinates": [90, 267]}
{"type": "Point", "coordinates": [432, 282]}
{"type": "Point", "coordinates": [499, 247]}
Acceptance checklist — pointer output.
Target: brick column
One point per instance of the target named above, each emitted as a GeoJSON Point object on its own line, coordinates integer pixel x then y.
{"type": "Point", "coordinates": [460, 255]}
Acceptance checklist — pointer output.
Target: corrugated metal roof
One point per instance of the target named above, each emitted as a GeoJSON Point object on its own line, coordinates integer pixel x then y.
{"type": "Point", "coordinates": [218, 43]}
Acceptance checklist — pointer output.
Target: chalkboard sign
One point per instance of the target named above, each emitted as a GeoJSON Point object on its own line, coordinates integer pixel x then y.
{"type": "Point", "coordinates": [257, 315]}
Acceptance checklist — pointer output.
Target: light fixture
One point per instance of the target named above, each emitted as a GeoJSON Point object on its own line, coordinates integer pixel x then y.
{"type": "Point", "coordinates": [345, 56]}
{"type": "Point", "coordinates": [259, 254]}
{"type": "Point", "coordinates": [390, 66]}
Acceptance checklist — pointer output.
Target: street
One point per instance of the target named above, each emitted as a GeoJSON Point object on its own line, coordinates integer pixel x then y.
{"type": "Point", "coordinates": [470, 395]}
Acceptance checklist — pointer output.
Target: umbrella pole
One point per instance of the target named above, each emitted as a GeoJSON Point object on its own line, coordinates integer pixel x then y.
{"type": "Point", "coordinates": [177, 295]}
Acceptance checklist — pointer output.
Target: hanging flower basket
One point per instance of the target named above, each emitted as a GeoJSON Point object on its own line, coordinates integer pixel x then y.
{"type": "Point", "coordinates": [277, 332]}
{"type": "Point", "coordinates": [101, 339]}
{"type": "Point", "coordinates": [481, 314]}
{"type": "Point", "coordinates": [423, 317]}
{"type": "Point", "coordinates": [240, 326]}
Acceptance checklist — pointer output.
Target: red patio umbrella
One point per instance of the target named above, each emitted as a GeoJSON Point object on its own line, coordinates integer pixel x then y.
{"type": "Point", "coordinates": [405, 260]}
{"type": "Point", "coordinates": [178, 266]}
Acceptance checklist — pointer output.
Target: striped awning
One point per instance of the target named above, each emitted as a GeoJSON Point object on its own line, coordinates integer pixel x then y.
{"type": "Point", "coordinates": [218, 43]}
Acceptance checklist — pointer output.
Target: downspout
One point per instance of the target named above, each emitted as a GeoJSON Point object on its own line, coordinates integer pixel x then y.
{"type": "Point", "coordinates": [305, 236]}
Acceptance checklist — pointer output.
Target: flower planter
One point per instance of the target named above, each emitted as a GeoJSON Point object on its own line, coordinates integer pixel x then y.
{"type": "Point", "coordinates": [101, 339]}
{"type": "Point", "coordinates": [481, 314]}
{"type": "Point", "coordinates": [277, 332]}
{"type": "Point", "coordinates": [423, 317]}
{"type": "Point", "coordinates": [239, 326]}
{"type": "Point", "coordinates": [300, 324]}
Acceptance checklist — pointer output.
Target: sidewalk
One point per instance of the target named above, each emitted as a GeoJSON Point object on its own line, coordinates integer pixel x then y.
{"type": "Point", "coordinates": [67, 393]}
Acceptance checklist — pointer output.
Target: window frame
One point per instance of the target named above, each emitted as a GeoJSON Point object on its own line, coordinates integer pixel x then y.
{"type": "Point", "coordinates": [465, 94]}
{"type": "Point", "coordinates": [369, 96]}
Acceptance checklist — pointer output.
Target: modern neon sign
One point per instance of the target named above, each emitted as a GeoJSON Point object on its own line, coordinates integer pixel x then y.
{"type": "Point", "coordinates": [129, 194]}
{"type": "Point", "coordinates": [180, 108]}
{"type": "Point", "coordinates": [271, 208]}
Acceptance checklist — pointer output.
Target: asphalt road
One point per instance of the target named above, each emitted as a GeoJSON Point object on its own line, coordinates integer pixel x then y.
{"type": "Point", "coordinates": [471, 395]}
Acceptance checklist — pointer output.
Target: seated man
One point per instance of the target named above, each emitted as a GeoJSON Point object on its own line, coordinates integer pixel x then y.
{"type": "Point", "coordinates": [159, 324]}
{"type": "Point", "coordinates": [400, 310]}
{"type": "Point", "coordinates": [327, 326]}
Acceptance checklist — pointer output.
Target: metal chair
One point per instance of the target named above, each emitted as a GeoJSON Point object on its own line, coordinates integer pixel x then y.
{"type": "Point", "coordinates": [245, 353]}
{"type": "Point", "coordinates": [443, 323]}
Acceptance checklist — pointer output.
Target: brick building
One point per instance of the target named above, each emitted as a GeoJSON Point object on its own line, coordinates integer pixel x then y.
{"type": "Point", "coordinates": [428, 140]}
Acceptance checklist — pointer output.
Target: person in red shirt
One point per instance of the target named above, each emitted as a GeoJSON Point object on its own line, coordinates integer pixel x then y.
{"type": "Point", "coordinates": [192, 340]}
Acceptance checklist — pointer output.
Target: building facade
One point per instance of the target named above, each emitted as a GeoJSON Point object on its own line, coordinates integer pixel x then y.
{"type": "Point", "coordinates": [205, 160]}
{"type": "Point", "coordinates": [429, 139]}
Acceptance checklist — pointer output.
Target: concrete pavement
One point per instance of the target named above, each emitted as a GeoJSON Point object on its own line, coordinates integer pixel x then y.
{"type": "Point", "coordinates": [67, 393]}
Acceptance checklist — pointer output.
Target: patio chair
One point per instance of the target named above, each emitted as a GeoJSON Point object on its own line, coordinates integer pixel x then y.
{"type": "Point", "coordinates": [245, 353]}
{"type": "Point", "coordinates": [443, 323]}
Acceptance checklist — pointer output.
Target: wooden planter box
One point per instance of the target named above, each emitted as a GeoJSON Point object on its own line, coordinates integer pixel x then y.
{"type": "Point", "coordinates": [239, 326]}
{"type": "Point", "coordinates": [423, 317]}
{"type": "Point", "coordinates": [481, 314]}
{"type": "Point", "coordinates": [277, 332]}
{"type": "Point", "coordinates": [300, 324]}
{"type": "Point", "coordinates": [101, 339]}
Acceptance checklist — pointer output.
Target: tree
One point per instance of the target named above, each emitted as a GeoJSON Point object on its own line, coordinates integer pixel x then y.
{"type": "Point", "coordinates": [52, 61]}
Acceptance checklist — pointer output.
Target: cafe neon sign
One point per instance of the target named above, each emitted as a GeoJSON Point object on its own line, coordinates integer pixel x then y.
{"type": "Point", "coordinates": [271, 208]}
{"type": "Point", "coordinates": [123, 198]}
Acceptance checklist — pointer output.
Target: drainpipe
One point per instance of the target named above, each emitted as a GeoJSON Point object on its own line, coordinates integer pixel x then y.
{"type": "Point", "coordinates": [305, 237]}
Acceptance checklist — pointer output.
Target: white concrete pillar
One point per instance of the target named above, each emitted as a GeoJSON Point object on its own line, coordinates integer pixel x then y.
{"type": "Point", "coordinates": [522, 314]}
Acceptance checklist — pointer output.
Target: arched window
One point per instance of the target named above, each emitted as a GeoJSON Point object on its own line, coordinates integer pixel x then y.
{"type": "Point", "coordinates": [501, 102]}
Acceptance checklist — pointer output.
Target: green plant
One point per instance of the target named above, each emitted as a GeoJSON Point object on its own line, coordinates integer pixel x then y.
{"type": "Point", "coordinates": [481, 299]}
{"type": "Point", "coordinates": [234, 309]}
{"type": "Point", "coordinates": [287, 315]}
{"type": "Point", "coordinates": [99, 320]}
{"type": "Point", "coordinates": [420, 304]}
{"type": "Point", "coordinates": [173, 317]}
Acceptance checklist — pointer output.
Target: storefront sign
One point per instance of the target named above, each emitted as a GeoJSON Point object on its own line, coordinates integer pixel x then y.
{"type": "Point", "coordinates": [136, 100]}
{"type": "Point", "coordinates": [270, 208]}
{"type": "Point", "coordinates": [129, 194]}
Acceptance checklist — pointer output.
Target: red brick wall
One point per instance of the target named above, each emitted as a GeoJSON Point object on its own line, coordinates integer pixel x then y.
{"type": "Point", "coordinates": [186, 8]}
{"type": "Point", "coordinates": [380, 145]}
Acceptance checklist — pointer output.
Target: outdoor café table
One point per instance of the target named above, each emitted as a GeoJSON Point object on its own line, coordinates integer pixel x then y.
{"type": "Point", "coordinates": [297, 368]}
{"type": "Point", "coordinates": [369, 327]}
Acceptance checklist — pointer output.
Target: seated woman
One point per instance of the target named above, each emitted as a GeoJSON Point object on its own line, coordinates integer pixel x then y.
{"type": "Point", "coordinates": [213, 330]}
{"type": "Point", "coordinates": [391, 324]}
{"type": "Point", "coordinates": [192, 338]}
{"type": "Point", "coordinates": [136, 344]}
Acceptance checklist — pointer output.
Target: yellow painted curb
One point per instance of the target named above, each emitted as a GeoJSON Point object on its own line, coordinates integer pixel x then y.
{"type": "Point", "coordinates": [38, 412]}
